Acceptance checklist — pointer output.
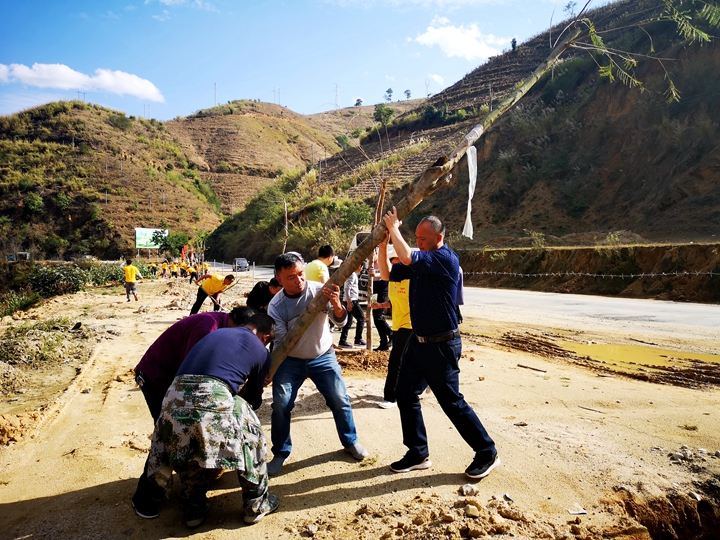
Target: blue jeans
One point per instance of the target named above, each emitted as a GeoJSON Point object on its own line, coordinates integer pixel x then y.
{"type": "Point", "coordinates": [325, 372]}
{"type": "Point", "coordinates": [436, 365]}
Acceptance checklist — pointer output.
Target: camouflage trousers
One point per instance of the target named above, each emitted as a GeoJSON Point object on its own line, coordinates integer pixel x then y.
{"type": "Point", "coordinates": [202, 426]}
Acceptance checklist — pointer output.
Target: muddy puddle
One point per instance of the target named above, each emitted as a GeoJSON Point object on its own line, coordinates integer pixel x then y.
{"type": "Point", "coordinates": [644, 362]}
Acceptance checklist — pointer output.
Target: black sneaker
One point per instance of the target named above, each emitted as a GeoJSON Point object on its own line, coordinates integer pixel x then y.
{"type": "Point", "coordinates": [480, 469]}
{"type": "Point", "coordinates": [273, 502]}
{"type": "Point", "coordinates": [196, 516]}
{"type": "Point", "coordinates": [146, 509]}
{"type": "Point", "coordinates": [409, 463]}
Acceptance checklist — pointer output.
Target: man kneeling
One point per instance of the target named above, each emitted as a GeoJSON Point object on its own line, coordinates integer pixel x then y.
{"type": "Point", "coordinates": [204, 423]}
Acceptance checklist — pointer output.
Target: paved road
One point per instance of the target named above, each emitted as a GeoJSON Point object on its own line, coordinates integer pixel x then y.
{"type": "Point", "coordinates": [579, 311]}
{"type": "Point", "coordinates": [638, 319]}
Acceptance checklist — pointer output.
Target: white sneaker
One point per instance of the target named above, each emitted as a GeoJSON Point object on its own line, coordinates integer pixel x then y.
{"type": "Point", "coordinates": [387, 404]}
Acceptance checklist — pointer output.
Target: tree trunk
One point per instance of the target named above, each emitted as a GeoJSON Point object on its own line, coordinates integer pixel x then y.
{"type": "Point", "coordinates": [435, 177]}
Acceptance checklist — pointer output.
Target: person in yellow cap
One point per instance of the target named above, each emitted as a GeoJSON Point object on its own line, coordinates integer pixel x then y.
{"type": "Point", "coordinates": [212, 285]}
{"type": "Point", "coordinates": [132, 274]}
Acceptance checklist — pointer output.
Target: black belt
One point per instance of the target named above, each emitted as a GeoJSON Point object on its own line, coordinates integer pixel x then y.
{"type": "Point", "coordinates": [439, 338]}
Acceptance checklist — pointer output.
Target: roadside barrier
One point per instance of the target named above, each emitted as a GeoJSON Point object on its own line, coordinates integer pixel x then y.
{"type": "Point", "coordinates": [586, 274]}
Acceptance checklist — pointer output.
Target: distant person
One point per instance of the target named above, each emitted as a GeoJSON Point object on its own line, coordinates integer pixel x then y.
{"type": "Point", "coordinates": [261, 294]}
{"type": "Point", "coordinates": [399, 300]}
{"type": "Point", "coordinates": [317, 270]}
{"type": "Point", "coordinates": [312, 357]}
{"type": "Point", "coordinates": [173, 269]}
{"type": "Point", "coordinates": [192, 271]}
{"type": "Point", "coordinates": [213, 286]}
{"type": "Point", "coordinates": [207, 421]}
{"type": "Point", "coordinates": [354, 311]}
{"type": "Point", "coordinates": [153, 268]}
{"type": "Point", "coordinates": [380, 289]}
{"type": "Point", "coordinates": [433, 351]}
{"type": "Point", "coordinates": [132, 274]}
{"type": "Point", "coordinates": [157, 369]}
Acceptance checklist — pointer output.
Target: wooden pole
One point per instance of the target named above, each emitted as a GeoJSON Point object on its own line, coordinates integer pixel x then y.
{"type": "Point", "coordinates": [435, 177]}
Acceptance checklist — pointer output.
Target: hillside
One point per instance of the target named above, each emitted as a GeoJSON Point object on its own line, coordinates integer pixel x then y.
{"type": "Point", "coordinates": [578, 159]}
{"type": "Point", "coordinates": [76, 179]}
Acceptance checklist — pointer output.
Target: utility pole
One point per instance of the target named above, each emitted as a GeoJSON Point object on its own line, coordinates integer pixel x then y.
{"type": "Point", "coordinates": [491, 96]}
{"type": "Point", "coordinates": [216, 94]}
{"type": "Point", "coordinates": [427, 88]}
{"type": "Point", "coordinates": [337, 95]}
{"type": "Point", "coordinates": [83, 93]}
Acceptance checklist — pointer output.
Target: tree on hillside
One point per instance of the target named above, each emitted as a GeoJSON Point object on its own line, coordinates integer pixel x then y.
{"type": "Point", "coordinates": [388, 94]}
{"type": "Point", "coordinates": [407, 94]}
{"type": "Point", "coordinates": [171, 244]}
{"type": "Point", "coordinates": [685, 13]}
{"type": "Point", "coordinates": [358, 102]}
{"type": "Point", "coordinates": [383, 114]}
{"type": "Point", "coordinates": [570, 8]}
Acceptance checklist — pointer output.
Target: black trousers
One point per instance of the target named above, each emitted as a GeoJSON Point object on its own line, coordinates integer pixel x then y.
{"type": "Point", "coordinates": [201, 296]}
{"type": "Point", "coordinates": [400, 339]}
{"type": "Point", "coordinates": [359, 316]}
{"type": "Point", "coordinates": [148, 488]}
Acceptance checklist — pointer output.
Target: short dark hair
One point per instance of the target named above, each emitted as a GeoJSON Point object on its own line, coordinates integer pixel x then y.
{"type": "Point", "coordinates": [286, 260]}
{"type": "Point", "coordinates": [435, 223]}
{"type": "Point", "coordinates": [241, 315]}
{"type": "Point", "coordinates": [274, 283]}
{"type": "Point", "coordinates": [326, 251]}
{"type": "Point", "coordinates": [263, 324]}
{"type": "Point", "coordinates": [128, 262]}
{"type": "Point", "coordinates": [230, 277]}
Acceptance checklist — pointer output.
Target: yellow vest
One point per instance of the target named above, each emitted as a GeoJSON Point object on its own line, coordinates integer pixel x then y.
{"type": "Point", "coordinates": [399, 294]}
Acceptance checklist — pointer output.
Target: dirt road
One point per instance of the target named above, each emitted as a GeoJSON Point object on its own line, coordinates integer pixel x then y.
{"type": "Point", "coordinates": [570, 440]}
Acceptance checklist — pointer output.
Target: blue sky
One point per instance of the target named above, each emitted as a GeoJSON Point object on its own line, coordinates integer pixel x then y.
{"type": "Point", "coordinates": [168, 58]}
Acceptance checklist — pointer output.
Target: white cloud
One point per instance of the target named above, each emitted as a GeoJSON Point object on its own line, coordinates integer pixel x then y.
{"type": "Point", "coordinates": [192, 3]}
{"type": "Point", "coordinates": [64, 78]}
{"type": "Point", "coordinates": [110, 15]}
{"type": "Point", "coordinates": [389, 78]}
{"type": "Point", "coordinates": [468, 43]}
{"type": "Point", "coordinates": [164, 17]}
{"type": "Point", "coordinates": [437, 78]}
{"type": "Point", "coordinates": [442, 4]}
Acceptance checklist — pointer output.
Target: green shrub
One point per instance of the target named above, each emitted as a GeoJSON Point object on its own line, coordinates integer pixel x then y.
{"type": "Point", "coordinates": [120, 121]}
{"type": "Point", "coordinates": [62, 201]}
{"type": "Point", "coordinates": [34, 203]}
{"type": "Point", "coordinates": [12, 301]}
{"type": "Point", "coordinates": [102, 274]}
{"type": "Point", "coordinates": [50, 281]}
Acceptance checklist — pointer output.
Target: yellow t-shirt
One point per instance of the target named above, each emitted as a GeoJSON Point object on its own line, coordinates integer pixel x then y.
{"type": "Point", "coordinates": [316, 270]}
{"type": "Point", "coordinates": [214, 284]}
{"type": "Point", "coordinates": [131, 273]}
{"type": "Point", "coordinates": [399, 294]}
{"type": "Point", "coordinates": [173, 267]}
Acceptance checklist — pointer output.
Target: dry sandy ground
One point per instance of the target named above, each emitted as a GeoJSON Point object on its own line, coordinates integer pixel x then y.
{"type": "Point", "coordinates": [568, 438]}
